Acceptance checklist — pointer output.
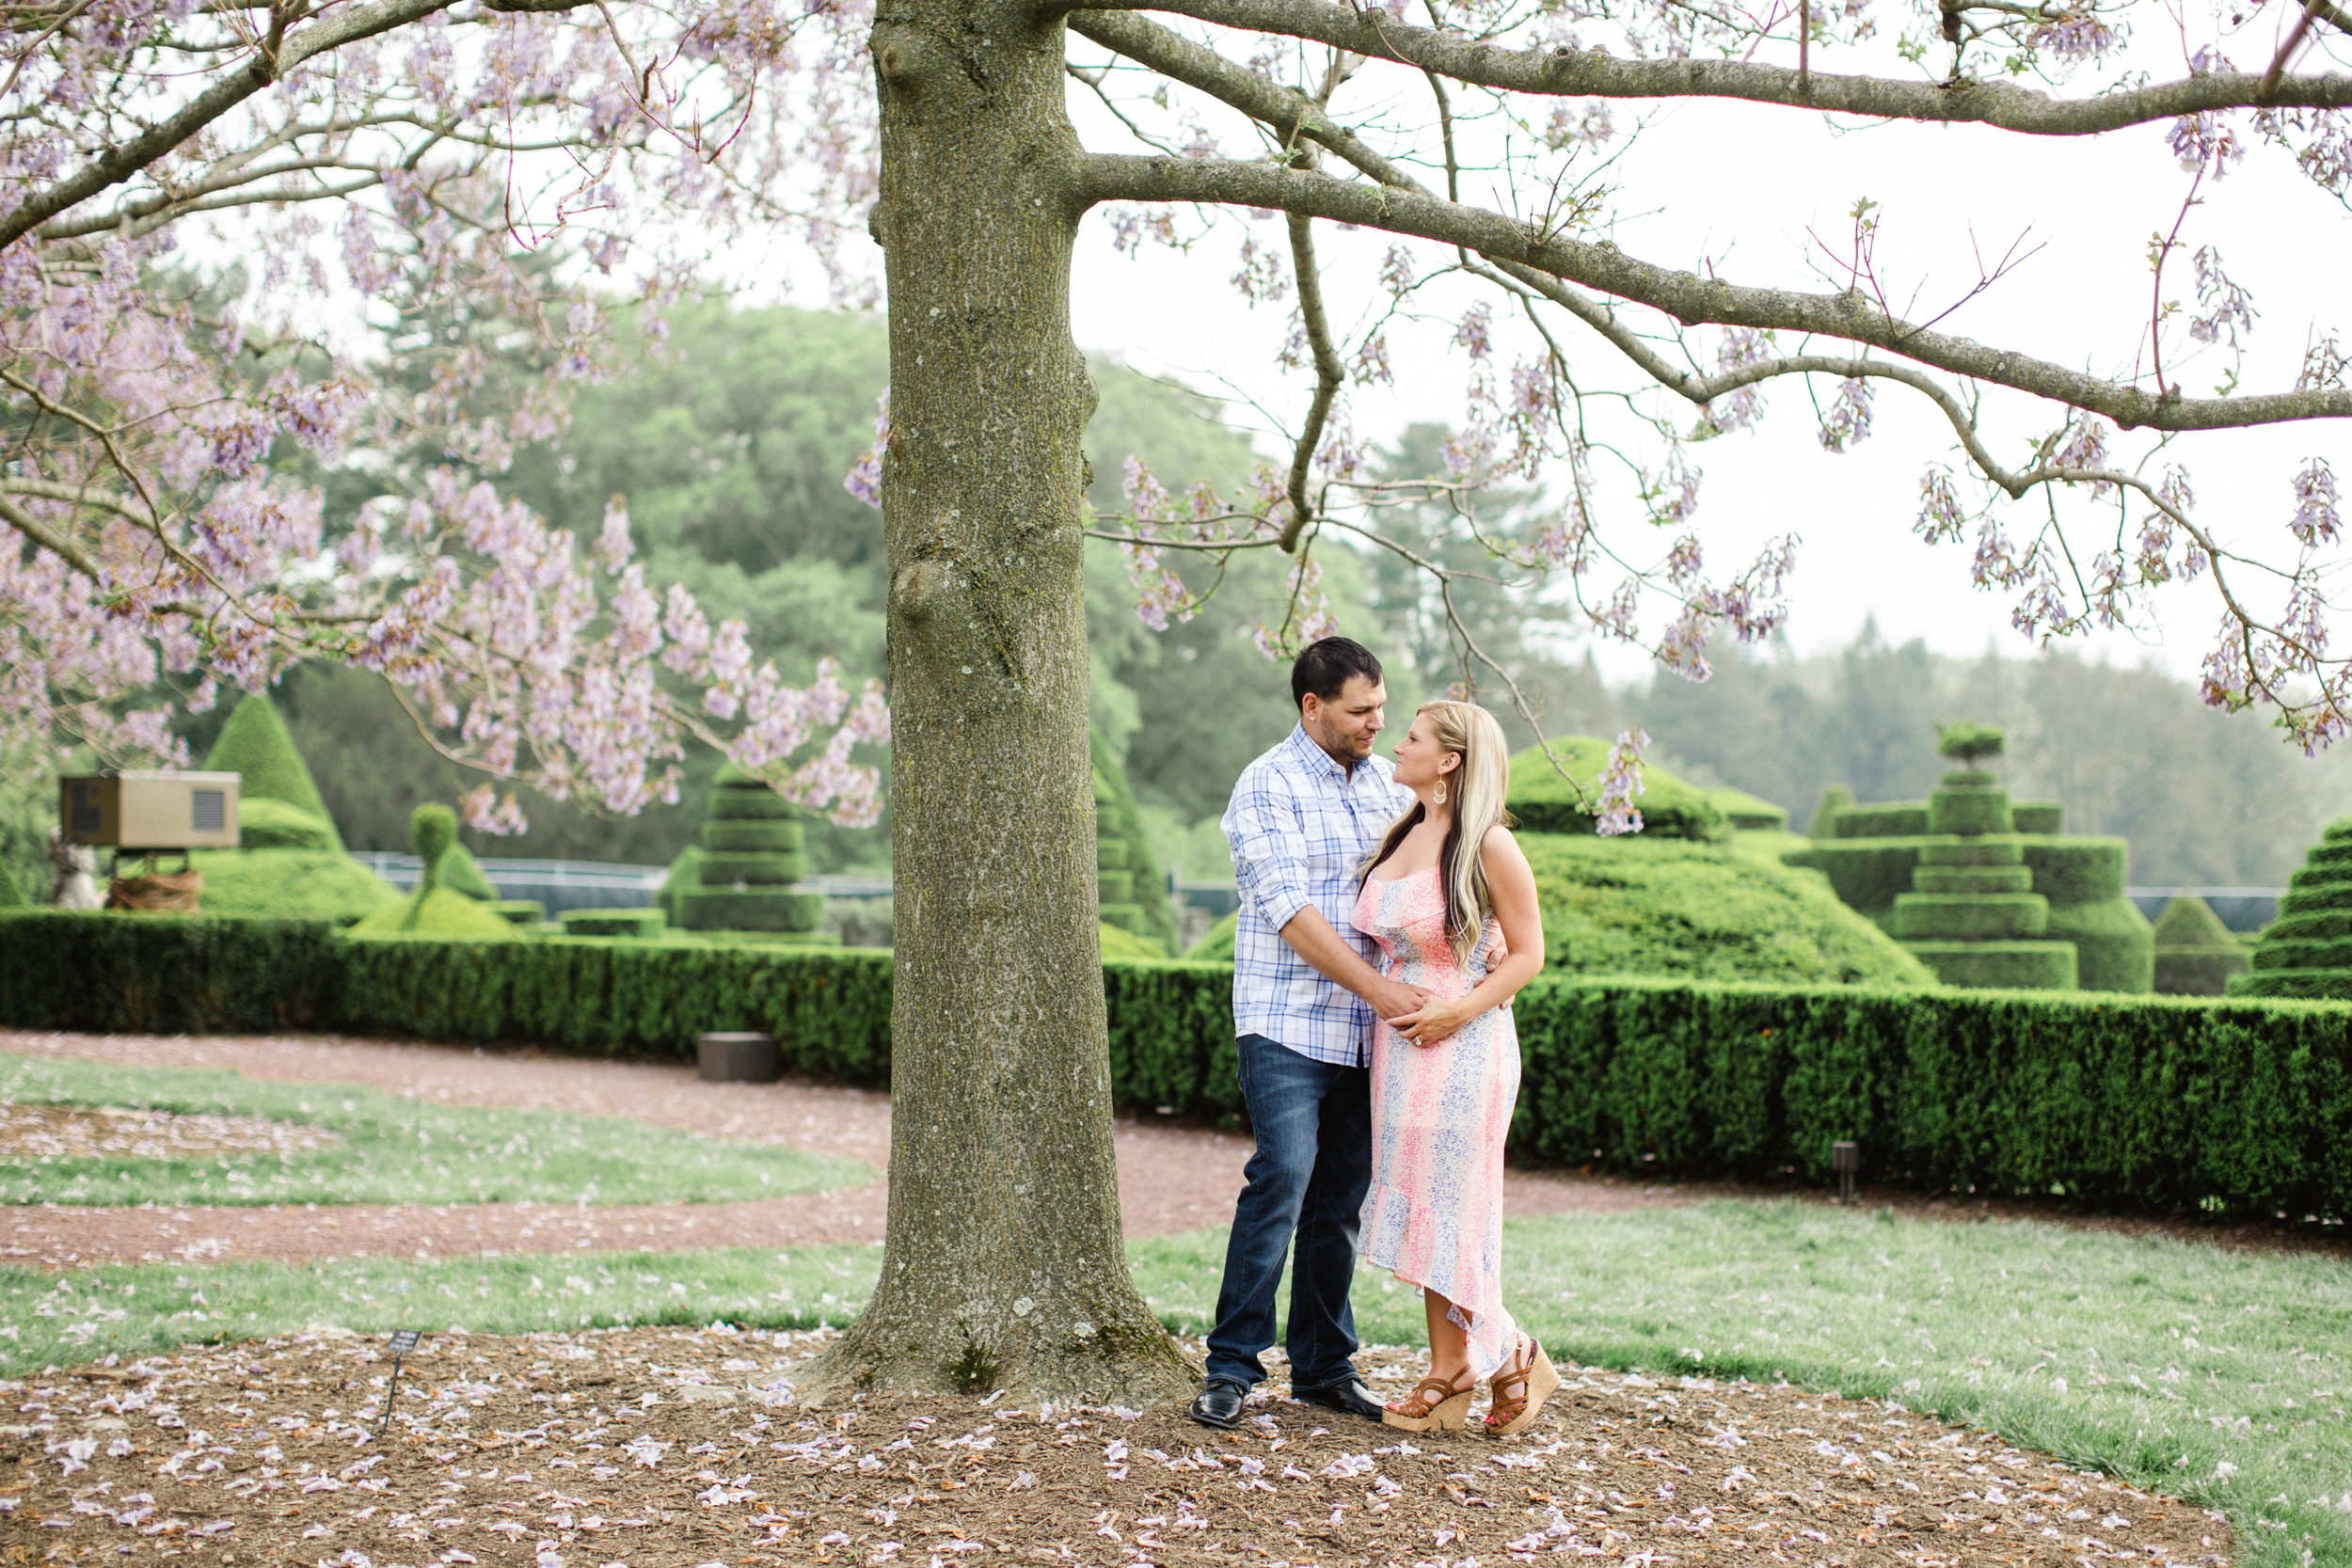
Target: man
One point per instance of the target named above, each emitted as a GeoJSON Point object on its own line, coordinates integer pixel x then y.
{"type": "Point", "coordinates": [1303, 818]}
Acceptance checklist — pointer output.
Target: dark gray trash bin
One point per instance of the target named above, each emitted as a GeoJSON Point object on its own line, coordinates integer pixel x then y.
{"type": "Point", "coordinates": [739, 1058]}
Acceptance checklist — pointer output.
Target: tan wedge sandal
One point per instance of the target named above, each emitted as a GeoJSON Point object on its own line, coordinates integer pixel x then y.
{"type": "Point", "coordinates": [1433, 1405]}
{"type": "Point", "coordinates": [1520, 1391]}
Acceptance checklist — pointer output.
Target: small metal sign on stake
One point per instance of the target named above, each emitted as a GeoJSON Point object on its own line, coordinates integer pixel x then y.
{"type": "Point", "coordinates": [404, 1341]}
{"type": "Point", "coordinates": [1845, 1158]}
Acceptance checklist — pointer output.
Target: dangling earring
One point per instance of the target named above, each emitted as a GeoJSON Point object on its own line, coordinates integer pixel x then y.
{"type": "Point", "coordinates": [1442, 795]}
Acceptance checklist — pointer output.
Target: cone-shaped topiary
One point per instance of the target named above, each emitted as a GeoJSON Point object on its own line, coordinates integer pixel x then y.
{"type": "Point", "coordinates": [2196, 956]}
{"type": "Point", "coordinates": [740, 877]}
{"type": "Point", "coordinates": [460, 874]}
{"type": "Point", "coordinates": [2307, 951]}
{"type": "Point", "coordinates": [255, 744]}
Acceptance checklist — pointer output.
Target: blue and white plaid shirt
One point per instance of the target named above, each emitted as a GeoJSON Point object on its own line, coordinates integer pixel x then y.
{"type": "Point", "coordinates": [1299, 825]}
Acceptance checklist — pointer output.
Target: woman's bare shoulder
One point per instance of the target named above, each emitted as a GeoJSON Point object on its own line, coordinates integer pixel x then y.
{"type": "Point", "coordinates": [1499, 842]}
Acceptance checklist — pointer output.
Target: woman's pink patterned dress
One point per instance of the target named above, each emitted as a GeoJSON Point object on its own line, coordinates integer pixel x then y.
{"type": "Point", "coordinates": [1439, 1114]}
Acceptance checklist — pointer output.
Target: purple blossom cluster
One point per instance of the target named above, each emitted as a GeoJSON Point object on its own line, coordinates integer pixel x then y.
{"type": "Point", "coordinates": [1847, 423]}
{"type": "Point", "coordinates": [2077, 35]}
{"type": "Point", "coordinates": [1621, 784]}
{"type": "Point", "coordinates": [2224, 309]}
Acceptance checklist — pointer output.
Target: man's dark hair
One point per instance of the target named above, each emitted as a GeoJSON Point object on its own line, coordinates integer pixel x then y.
{"type": "Point", "coordinates": [1327, 666]}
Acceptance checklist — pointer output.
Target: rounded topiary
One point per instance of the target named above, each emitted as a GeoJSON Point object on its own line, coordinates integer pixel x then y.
{"type": "Point", "coordinates": [1543, 802]}
{"type": "Point", "coordinates": [1969, 741]}
{"type": "Point", "coordinates": [265, 822]}
{"type": "Point", "coordinates": [432, 829]}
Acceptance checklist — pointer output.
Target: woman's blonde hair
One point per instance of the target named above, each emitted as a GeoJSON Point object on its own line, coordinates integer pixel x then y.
{"type": "Point", "coordinates": [1475, 791]}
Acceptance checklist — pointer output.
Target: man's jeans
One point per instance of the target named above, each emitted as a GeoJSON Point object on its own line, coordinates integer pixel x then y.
{"type": "Point", "coordinates": [1314, 1122]}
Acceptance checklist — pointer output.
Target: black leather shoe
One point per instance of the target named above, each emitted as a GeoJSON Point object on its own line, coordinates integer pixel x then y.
{"type": "Point", "coordinates": [1350, 1398]}
{"type": "Point", "coordinates": [1219, 1405]}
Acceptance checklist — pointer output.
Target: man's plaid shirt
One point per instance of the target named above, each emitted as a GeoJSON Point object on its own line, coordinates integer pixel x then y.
{"type": "Point", "coordinates": [1299, 826]}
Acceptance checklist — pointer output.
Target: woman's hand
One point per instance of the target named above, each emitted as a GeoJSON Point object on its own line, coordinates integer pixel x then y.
{"type": "Point", "coordinates": [1434, 1021]}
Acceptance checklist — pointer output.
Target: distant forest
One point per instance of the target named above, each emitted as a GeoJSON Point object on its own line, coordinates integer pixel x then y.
{"type": "Point", "coordinates": [731, 450]}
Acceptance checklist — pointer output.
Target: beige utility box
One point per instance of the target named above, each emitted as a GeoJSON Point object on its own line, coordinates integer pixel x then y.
{"type": "Point", "coordinates": [152, 811]}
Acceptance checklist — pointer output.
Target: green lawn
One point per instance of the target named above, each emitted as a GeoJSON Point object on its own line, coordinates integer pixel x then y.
{"type": "Point", "coordinates": [389, 1149]}
{"type": "Point", "coordinates": [2218, 1376]}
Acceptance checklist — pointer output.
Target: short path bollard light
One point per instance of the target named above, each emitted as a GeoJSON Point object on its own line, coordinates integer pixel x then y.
{"type": "Point", "coordinates": [1845, 1158]}
{"type": "Point", "coordinates": [725, 1058]}
{"type": "Point", "coordinates": [404, 1341]}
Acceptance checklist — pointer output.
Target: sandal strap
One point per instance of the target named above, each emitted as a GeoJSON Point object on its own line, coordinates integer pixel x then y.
{"type": "Point", "coordinates": [1429, 1393]}
{"type": "Point", "coordinates": [1504, 1408]}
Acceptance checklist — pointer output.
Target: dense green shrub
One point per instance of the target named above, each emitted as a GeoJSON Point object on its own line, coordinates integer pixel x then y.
{"type": "Point", "coordinates": [1543, 802]}
{"type": "Point", "coordinates": [2158, 1101]}
{"type": "Point", "coordinates": [255, 744]}
{"type": "Point", "coordinates": [1644, 906]}
{"type": "Point", "coordinates": [11, 891]}
{"type": "Point", "coordinates": [2307, 950]}
{"type": "Point", "coordinates": [2197, 955]}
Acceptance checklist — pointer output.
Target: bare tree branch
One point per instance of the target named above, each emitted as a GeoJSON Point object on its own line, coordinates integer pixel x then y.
{"type": "Point", "coordinates": [1327, 374]}
{"type": "Point", "coordinates": [1685, 296]}
{"type": "Point", "coordinates": [119, 163]}
{"type": "Point", "coordinates": [1589, 74]}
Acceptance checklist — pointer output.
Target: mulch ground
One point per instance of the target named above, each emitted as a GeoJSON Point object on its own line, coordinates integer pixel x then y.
{"type": "Point", "coordinates": [654, 1447]}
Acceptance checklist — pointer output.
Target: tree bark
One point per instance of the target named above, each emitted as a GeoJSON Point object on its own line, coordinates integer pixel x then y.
{"type": "Point", "coordinates": [1004, 1266]}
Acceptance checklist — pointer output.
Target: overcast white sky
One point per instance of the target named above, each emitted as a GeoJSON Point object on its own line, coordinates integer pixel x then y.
{"type": "Point", "coordinates": [1748, 186]}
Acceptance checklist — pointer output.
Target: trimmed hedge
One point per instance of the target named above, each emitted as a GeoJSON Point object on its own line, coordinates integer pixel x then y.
{"type": "Point", "coordinates": [2155, 1100]}
{"type": "Point", "coordinates": [105, 973]}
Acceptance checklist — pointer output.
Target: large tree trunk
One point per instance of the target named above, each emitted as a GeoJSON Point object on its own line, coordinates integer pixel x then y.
{"type": "Point", "coordinates": [1005, 1267]}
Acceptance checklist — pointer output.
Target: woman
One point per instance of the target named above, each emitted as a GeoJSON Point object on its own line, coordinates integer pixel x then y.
{"type": "Point", "coordinates": [1450, 900]}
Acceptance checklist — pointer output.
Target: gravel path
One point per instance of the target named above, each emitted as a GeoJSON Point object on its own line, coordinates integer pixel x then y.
{"type": "Point", "coordinates": [1171, 1178]}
